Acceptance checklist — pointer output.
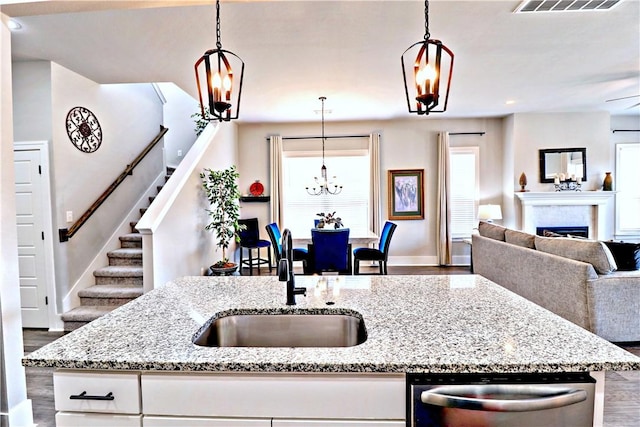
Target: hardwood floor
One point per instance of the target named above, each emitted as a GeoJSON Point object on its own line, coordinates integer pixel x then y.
{"type": "Point", "coordinates": [622, 390]}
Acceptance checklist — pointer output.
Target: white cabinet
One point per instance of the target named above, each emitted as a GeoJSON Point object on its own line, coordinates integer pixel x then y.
{"type": "Point", "coordinates": [79, 419]}
{"type": "Point", "coordinates": [336, 423]}
{"type": "Point", "coordinates": [194, 399]}
{"type": "Point", "coordinates": [151, 421]}
{"type": "Point", "coordinates": [97, 391]}
{"type": "Point", "coordinates": [276, 395]}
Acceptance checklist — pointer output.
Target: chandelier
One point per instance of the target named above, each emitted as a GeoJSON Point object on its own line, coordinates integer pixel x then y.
{"type": "Point", "coordinates": [221, 89]}
{"type": "Point", "coordinates": [424, 84]}
{"type": "Point", "coordinates": [323, 185]}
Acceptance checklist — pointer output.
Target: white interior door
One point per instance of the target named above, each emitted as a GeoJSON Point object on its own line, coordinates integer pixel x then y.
{"type": "Point", "coordinates": [30, 222]}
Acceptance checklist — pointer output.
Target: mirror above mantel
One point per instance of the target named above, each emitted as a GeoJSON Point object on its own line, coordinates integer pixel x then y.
{"type": "Point", "coordinates": [566, 161]}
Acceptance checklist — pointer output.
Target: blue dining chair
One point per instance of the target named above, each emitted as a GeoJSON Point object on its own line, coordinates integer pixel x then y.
{"type": "Point", "coordinates": [381, 254]}
{"type": "Point", "coordinates": [299, 254]}
{"type": "Point", "coordinates": [330, 250]}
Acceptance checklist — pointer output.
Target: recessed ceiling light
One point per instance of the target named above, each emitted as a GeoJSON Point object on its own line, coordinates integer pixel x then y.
{"type": "Point", "coordinates": [14, 25]}
{"type": "Point", "coordinates": [510, 102]}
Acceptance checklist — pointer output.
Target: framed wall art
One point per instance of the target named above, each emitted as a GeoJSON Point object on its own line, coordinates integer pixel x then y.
{"type": "Point", "coordinates": [406, 194]}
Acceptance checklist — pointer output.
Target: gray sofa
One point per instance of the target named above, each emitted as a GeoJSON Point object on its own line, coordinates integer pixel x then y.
{"type": "Point", "coordinates": [541, 269]}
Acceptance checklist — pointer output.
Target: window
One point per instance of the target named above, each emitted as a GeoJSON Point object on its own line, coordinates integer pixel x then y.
{"type": "Point", "coordinates": [464, 192]}
{"type": "Point", "coordinates": [628, 191]}
{"type": "Point", "coordinates": [352, 204]}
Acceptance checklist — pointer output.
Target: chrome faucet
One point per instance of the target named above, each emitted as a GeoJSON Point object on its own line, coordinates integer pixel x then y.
{"type": "Point", "coordinates": [285, 269]}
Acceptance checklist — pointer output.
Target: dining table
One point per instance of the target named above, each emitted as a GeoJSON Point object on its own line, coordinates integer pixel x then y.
{"type": "Point", "coordinates": [356, 238]}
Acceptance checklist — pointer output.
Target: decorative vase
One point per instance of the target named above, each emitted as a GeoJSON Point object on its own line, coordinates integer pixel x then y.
{"type": "Point", "coordinates": [523, 182]}
{"type": "Point", "coordinates": [607, 184]}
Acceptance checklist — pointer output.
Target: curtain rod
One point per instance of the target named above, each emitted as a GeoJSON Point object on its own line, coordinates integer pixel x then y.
{"type": "Point", "coordinates": [320, 137]}
{"type": "Point", "coordinates": [626, 130]}
{"type": "Point", "coordinates": [467, 133]}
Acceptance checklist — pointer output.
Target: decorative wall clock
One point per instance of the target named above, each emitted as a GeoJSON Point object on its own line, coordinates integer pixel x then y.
{"type": "Point", "coordinates": [84, 129]}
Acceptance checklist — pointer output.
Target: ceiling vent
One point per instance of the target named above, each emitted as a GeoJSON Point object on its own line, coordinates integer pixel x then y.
{"type": "Point", "coordinates": [528, 6]}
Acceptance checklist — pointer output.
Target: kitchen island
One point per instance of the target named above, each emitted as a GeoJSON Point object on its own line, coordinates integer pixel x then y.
{"type": "Point", "coordinates": [433, 324]}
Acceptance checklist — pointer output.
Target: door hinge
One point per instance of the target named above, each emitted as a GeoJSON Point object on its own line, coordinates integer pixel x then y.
{"type": "Point", "coordinates": [46, 300]}
{"type": "Point", "coordinates": [40, 169]}
{"type": "Point", "coordinates": [42, 235]}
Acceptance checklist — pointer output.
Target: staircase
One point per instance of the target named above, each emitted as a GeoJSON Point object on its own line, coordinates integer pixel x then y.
{"type": "Point", "coordinates": [116, 284]}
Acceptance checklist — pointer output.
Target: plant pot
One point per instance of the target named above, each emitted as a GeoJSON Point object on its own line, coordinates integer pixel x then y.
{"type": "Point", "coordinates": [223, 271]}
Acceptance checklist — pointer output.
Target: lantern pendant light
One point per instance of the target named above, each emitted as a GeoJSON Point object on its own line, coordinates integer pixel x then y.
{"type": "Point", "coordinates": [324, 186]}
{"type": "Point", "coordinates": [427, 73]}
{"type": "Point", "coordinates": [215, 76]}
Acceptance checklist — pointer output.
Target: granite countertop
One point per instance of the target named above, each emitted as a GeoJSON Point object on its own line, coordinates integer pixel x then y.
{"type": "Point", "coordinates": [441, 324]}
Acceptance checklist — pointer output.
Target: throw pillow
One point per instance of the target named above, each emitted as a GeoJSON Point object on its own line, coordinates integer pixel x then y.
{"type": "Point", "coordinates": [491, 231]}
{"type": "Point", "coordinates": [627, 255]}
{"type": "Point", "coordinates": [590, 251]}
{"type": "Point", "coordinates": [520, 238]}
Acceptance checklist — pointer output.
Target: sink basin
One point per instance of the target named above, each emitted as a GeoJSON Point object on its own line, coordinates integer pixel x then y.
{"type": "Point", "coordinates": [283, 330]}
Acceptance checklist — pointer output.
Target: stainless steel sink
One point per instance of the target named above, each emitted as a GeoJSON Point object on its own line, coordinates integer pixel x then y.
{"type": "Point", "coordinates": [283, 330]}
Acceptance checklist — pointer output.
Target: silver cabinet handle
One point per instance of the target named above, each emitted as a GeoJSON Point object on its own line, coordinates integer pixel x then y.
{"type": "Point", "coordinates": [528, 397]}
{"type": "Point", "coordinates": [85, 396]}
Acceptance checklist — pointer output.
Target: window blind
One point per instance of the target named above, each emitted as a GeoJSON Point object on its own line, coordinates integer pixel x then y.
{"type": "Point", "coordinates": [464, 192]}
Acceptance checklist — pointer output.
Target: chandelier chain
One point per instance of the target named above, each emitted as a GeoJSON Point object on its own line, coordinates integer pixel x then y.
{"type": "Point", "coordinates": [218, 42]}
{"type": "Point", "coordinates": [427, 35]}
{"type": "Point", "coordinates": [322, 98]}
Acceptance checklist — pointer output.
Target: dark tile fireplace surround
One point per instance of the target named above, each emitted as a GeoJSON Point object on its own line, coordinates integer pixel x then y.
{"type": "Point", "coordinates": [579, 231]}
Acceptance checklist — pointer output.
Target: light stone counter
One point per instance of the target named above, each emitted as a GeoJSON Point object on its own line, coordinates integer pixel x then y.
{"type": "Point", "coordinates": [415, 323]}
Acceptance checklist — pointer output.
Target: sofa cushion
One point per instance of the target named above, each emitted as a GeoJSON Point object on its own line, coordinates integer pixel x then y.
{"type": "Point", "coordinates": [627, 255]}
{"type": "Point", "coordinates": [590, 251]}
{"type": "Point", "coordinates": [520, 238]}
{"type": "Point", "coordinates": [491, 231]}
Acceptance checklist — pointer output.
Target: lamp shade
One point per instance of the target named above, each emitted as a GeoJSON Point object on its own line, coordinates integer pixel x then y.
{"type": "Point", "coordinates": [489, 212]}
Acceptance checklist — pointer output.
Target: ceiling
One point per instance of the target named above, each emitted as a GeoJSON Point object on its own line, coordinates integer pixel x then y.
{"type": "Point", "coordinates": [349, 51]}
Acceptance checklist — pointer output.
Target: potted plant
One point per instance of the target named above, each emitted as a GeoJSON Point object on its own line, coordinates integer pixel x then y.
{"type": "Point", "coordinates": [329, 218]}
{"type": "Point", "coordinates": [200, 121]}
{"type": "Point", "coordinates": [221, 188]}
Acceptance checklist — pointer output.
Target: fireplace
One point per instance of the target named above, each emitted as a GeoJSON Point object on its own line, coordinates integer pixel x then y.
{"type": "Point", "coordinates": [576, 230]}
{"type": "Point", "coordinates": [564, 208]}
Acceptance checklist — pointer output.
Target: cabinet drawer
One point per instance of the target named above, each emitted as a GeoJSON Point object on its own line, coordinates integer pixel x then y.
{"type": "Point", "coordinates": [87, 386]}
{"type": "Point", "coordinates": [336, 423]}
{"type": "Point", "coordinates": [76, 419]}
{"type": "Point", "coordinates": [204, 422]}
{"type": "Point", "coordinates": [358, 396]}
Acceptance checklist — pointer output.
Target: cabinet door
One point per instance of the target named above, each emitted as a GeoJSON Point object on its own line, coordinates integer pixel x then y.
{"type": "Point", "coordinates": [203, 422]}
{"type": "Point", "coordinates": [336, 423]}
{"type": "Point", "coordinates": [79, 419]}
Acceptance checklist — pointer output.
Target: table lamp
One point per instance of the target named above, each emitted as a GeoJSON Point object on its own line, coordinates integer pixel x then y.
{"type": "Point", "coordinates": [489, 212]}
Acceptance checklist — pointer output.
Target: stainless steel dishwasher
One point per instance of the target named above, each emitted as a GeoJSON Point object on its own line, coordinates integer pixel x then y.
{"type": "Point", "coordinates": [496, 400]}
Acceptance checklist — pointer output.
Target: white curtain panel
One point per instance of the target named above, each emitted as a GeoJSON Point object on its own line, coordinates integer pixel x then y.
{"type": "Point", "coordinates": [375, 202]}
{"type": "Point", "coordinates": [443, 216]}
{"type": "Point", "coordinates": [275, 160]}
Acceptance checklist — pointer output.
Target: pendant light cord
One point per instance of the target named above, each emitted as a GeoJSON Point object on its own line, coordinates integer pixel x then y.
{"type": "Point", "coordinates": [322, 98]}
{"type": "Point", "coordinates": [427, 35]}
{"type": "Point", "coordinates": [218, 43]}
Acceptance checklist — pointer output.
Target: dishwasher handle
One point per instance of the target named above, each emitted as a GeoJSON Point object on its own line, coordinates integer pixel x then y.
{"type": "Point", "coordinates": [534, 397]}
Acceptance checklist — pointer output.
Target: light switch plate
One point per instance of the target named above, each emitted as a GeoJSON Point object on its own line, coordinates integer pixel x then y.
{"type": "Point", "coordinates": [69, 216]}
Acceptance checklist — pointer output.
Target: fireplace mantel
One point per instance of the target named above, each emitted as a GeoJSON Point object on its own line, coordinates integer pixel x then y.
{"type": "Point", "coordinates": [597, 199]}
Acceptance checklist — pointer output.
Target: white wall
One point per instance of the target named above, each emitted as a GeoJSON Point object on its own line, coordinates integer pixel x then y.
{"type": "Point", "coordinates": [13, 389]}
{"type": "Point", "coordinates": [177, 117]}
{"type": "Point", "coordinates": [532, 132]}
{"type": "Point", "coordinates": [130, 116]}
{"type": "Point", "coordinates": [175, 242]}
{"type": "Point", "coordinates": [32, 109]}
{"type": "Point", "coordinates": [405, 144]}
